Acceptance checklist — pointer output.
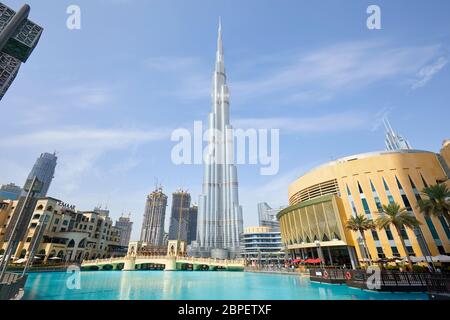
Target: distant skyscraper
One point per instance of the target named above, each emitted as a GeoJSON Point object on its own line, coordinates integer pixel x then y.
{"type": "Point", "coordinates": [10, 192]}
{"type": "Point", "coordinates": [192, 224]}
{"type": "Point", "coordinates": [152, 231]}
{"type": "Point", "coordinates": [125, 226]}
{"type": "Point", "coordinates": [268, 216]}
{"type": "Point", "coordinates": [165, 239]}
{"type": "Point", "coordinates": [394, 141]}
{"type": "Point", "coordinates": [44, 170]}
{"type": "Point", "coordinates": [220, 215]}
{"type": "Point", "coordinates": [103, 212]}
{"type": "Point", "coordinates": [18, 38]}
{"type": "Point", "coordinates": [178, 229]}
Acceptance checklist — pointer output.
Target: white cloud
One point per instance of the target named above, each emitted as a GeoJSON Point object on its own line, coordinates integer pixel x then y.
{"type": "Point", "coordinates": [313, 76]}
{"type": "Point", "coordinates": [79, 149]}
{"type": "Point", "coordinates": [326, 123]}
{"type": "Point", "coordinates": [86, 96]}
{"type": "Point", "coordinates": [426, 73]}
{"type": "Point", "coordinates": [79, 138]}
{"type": "Point", "coordinates": [323, 73]}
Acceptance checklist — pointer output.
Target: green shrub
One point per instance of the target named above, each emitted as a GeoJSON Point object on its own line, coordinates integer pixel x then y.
{"type": "Point", "coordinates": [417, 268]}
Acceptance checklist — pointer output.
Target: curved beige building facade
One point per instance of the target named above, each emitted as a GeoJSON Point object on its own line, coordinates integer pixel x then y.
{"type": "Point", "coordinates": [322, 200]}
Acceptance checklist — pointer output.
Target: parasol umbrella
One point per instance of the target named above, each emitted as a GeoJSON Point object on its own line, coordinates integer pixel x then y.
{"type": "Point", "coordinates": [441, 258]}
{"type": "Point", "coordinates": [55, 258]}
{"type": "Point", "coordinates": [420, 259]}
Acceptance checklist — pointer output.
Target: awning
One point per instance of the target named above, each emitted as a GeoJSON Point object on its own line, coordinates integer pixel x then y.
{"type": "Point", "coordinates": [55, 258]}
{"type": "Point", "coordinates": [19, 261]}
{"type": "Point", "coordinates": [313, 261]}
{"type": "Point", "coordinates": [440, 258]}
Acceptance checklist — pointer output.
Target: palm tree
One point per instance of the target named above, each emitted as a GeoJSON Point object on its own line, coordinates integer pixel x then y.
{"type": "Point", "coordinates": [362, 224]}
{"type": "Point", "coordinates": [437, 202]}
{"type": "Point", "coordinates": [399, 218]}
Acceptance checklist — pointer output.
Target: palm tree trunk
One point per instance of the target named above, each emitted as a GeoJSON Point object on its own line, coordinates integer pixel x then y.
{"type": "Point", "coordinates": [365, 247]}
{"type": "Point", "coordinates": [445, 214]}
{"type": "Point", "coordinates": [410, 264]}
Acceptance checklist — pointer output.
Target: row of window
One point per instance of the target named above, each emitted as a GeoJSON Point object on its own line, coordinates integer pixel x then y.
{"type": "Point", "coordinates": [406, 204]}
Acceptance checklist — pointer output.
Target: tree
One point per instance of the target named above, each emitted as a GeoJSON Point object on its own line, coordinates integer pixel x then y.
{"type": "Point", "coordinates": [399, 218]}
{"type": "Point", "coordinates": [437, 201]}
{"type": "Point", "coordinates": [362, 224]}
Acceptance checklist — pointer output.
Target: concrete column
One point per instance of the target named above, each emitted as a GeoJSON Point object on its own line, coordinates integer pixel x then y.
{"type": "Point", "coordinates": [353, 258]}
{"type": "Point", "coordinates": [171, 264]}
{"type": "Point", "coordinates": [320, 253]}
{"type": "Point", "coordinates": [330, 256]}
{"type": "Point", "coordinates": [130, 264]}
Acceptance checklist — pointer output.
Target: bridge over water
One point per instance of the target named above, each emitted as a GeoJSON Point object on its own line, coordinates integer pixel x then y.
{"type": "Point", "coordinates": [168, 263]}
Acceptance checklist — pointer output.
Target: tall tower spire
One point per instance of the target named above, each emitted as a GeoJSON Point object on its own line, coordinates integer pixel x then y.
{"type": "Point", "coordinates": [219, 223]}
{"type": "Point", "coordinates": [220, 66]}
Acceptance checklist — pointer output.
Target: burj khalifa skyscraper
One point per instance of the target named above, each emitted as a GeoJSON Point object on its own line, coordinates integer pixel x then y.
{"type": "Point", "coordinates": [220, 221]}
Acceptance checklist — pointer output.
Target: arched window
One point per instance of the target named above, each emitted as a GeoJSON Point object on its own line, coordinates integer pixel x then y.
{"type": "Point", "coordinates": [52, 254]}
{"type": "Point", "coordinates": [60, 254]}
{"type": "Point", "coordinates": [36, 216]}
{"type": "Point", "coordinates": [71, 244]}
{"type": "Point", "coordinates": [41, 253]}
{"type": "Point", "coordinates": [23, 253]}
{"type": "Point", "coordinates": [82, 244]}
{"type": "Point", "coordinates": [40, 207]}
{"type": "Point", "coordinates": [49, 208]}
{"type": "Point", "coordinates": [2, 252]}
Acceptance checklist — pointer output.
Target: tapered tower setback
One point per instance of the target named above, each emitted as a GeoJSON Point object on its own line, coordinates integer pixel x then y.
{"type": "Point", "coordinates": [220, 216]}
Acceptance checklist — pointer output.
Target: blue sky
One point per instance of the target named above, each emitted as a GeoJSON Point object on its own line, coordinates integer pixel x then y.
{"type": "Point", "coordinates": [107, 97]}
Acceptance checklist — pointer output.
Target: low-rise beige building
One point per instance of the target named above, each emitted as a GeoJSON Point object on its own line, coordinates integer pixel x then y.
{"type": "Point", "coordinates": [445, 151]}
{"type": "Point", "coordinates": [62, 233]}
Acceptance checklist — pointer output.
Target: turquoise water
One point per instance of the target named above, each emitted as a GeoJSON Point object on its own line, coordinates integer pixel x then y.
{"type": "Point", "coordinates": [154, 285]}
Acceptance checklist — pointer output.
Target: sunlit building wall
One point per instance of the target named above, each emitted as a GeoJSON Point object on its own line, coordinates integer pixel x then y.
{"type": "Point", "coordinates": [324, 199]}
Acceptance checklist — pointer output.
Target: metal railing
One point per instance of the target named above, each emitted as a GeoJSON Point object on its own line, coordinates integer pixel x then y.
{"type": "Point", "coordinates": [439, 284]}
{"type": "Point", "coordinates": [332, 274]}
{"type": "Point", "coordinates": [274, 269]}
{"type": "Point", "coordinates": [431, 282]}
